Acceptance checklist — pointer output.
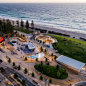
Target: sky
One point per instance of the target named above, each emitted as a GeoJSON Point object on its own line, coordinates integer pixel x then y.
{"type": "Point", "coordinates": [42, 1]}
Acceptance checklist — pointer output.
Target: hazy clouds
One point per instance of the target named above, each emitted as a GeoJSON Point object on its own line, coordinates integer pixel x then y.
{"type": "Point", "coordinates": [42, 1]}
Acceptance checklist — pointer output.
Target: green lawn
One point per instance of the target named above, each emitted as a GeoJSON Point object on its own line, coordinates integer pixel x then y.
{"type": "Point", "coordinates": [75, 48]}
{"type": "Point", "coordinates": [51, 71]}
{"type": "Point", "coordinates": [24, 30]}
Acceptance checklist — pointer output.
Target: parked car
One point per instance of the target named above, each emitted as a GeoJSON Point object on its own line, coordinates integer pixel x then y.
{"type": "Point", "coordinates": [18, 49]}
{"type": "Point", "coordinates": [15, 67]}
{"type": "Point", "coordinates": [10, 43]}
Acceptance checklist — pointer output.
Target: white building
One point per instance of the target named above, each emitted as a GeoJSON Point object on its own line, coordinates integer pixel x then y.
{"type": "Point", "coordinates": [30, 46]}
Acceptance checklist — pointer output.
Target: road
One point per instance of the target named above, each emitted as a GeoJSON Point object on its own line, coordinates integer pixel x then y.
{"type": "Point", "coordinates": [17, 59]}
{"type": "Point", "coordinates": [12, 71]}
{"type": "Point", "coordinates": [7, 74]}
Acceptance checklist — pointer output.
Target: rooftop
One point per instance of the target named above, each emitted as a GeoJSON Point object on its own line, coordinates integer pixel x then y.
{"type": "Point", "coordinates": [30, 45]}
{"type": "Point", "coordinates": [71, 62]}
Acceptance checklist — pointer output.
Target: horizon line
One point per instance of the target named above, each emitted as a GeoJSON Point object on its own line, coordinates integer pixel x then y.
{"type": "Point", "coordinates": [44, 2]}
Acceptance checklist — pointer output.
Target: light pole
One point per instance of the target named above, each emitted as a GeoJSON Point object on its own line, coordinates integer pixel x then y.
{"type": "Point", "coordinates": [28, 68]}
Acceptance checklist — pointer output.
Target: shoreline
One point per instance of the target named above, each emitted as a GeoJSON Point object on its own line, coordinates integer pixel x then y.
{"type": "Point", "coordinates": [77, 35]}
{"type": "Point", "coordinates": [72, 34]}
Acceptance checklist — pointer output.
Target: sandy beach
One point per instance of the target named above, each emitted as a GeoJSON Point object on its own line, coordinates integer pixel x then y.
{"type": "Point", "coordinates": [71, 33]}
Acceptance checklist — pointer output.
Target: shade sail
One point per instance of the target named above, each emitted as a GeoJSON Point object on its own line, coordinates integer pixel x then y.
{"type": "Point", "coordinates": [71, 62]}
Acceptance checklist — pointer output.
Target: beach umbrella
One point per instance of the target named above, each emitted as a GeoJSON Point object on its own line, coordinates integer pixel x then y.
{"type": "Point", "coordinates": [2, 39]}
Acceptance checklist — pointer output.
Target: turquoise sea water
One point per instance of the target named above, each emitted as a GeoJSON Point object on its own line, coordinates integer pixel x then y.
{"type": "Point", "coordinates": [64, 16]}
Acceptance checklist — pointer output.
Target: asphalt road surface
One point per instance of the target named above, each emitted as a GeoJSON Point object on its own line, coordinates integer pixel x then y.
{"type": "Point", "coordinates": [8, 72]}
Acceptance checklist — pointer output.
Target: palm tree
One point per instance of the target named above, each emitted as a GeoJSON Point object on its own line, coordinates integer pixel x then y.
{"type": "Point", "coordinates": [17, 22]}
{"type": "Point", "coordinates": [0, 25]}
{"type": "Point", "coordinates": [27, 25]}
{"type": "Point", "coordinates": [6, 26]}
{"type": "Point", "coordinates": [22, 24]}
{"type": "Point", "coordinates": [32, 24]}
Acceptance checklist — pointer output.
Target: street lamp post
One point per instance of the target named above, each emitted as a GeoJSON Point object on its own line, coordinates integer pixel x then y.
{"type": "Point", "coordinates": [28, 68]}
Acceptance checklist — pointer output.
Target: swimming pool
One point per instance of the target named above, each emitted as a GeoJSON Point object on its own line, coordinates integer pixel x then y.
{"type": "Point", "coordinates": [39, 55]}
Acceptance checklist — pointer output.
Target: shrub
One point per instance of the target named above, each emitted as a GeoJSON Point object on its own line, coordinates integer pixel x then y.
{"type": "Point", "coordinates": [25, 70]}
{"type": "Point", "coordinates": [13, 63]}
{"type": "Point", "coordinates": [58, 74]}
{"type": "Point", "coordinates": [40, 41]}
{"type": "Point", "coordinates": [41, 63]}
{"type": "Point", "coordinates": [45, 50]}
{"type": "Point", "coordinates": [46, 59]}
{"type": "Point", "coordinates": [48, 71]}
{"type": "Point", "coordinates": [15, 75]}
{"type": "Point", "coordinates": [25, 58]}
{"type": "Point", "coordinates": [43, 42]}
{"type": "Point", "coordinates": [32, 74]}
{"type": "Point", "coordinates": [51, 71]}
{"type": "Point", "coordinates": [19, 67]}
{"type": "Point", "coordinates": [41, 77]}
{"type": "Point", "coordinates": [51, 54]}
{"type": "Point", "coordinates": [9, 60]}
{"type": "Point", "coordinates": [55, 57]}
{"type": "Point", "coordinates": [57, 67]}
{"type": "Point", "coordinates": [36, 59]}
{"type": "Point", "coordinates": [41, 48]}
{"type": "Point", "coordinates": [48, 63]}
{"type": "Point", "coordinates": [50, 80]}
{"type": "Point", "coordinates": [23, 82]}
{"type": "Point", "coordinates": [65, 71]}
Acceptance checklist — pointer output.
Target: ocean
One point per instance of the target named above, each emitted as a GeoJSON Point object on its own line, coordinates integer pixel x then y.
{"type": "Point", "coordinates": [66, 16]}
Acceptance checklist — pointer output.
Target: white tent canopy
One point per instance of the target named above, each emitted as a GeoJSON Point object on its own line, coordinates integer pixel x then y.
{"type": "Point", "coordinates": [71, 62]}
